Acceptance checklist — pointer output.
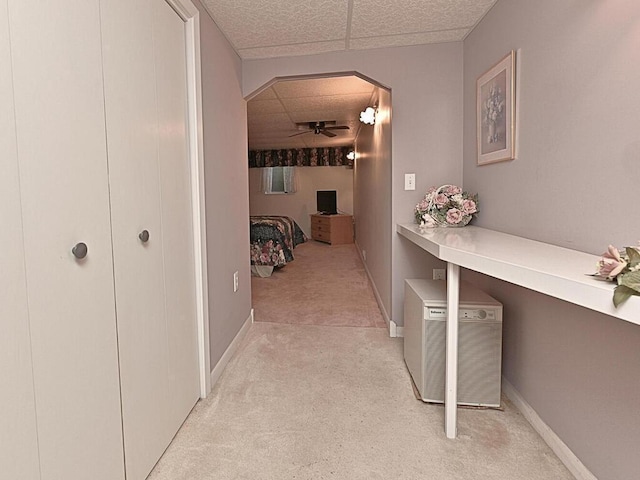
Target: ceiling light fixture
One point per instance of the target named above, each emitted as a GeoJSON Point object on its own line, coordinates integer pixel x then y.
{"type": "Point", "coordinates": [368, 116]}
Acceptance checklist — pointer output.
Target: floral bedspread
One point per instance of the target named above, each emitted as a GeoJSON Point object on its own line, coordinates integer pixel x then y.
{"type": "Point", "coordinates": [273, 239]}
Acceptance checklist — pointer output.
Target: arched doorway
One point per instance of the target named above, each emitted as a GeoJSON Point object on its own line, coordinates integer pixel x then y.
{"type": "Point", "coordinates": [279, 116]}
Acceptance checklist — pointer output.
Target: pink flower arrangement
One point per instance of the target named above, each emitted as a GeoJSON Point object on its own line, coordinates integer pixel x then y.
{"type": "Point", "coordinates": [622, 267]}
{"type": "Point", "coordinates": [446, 206]}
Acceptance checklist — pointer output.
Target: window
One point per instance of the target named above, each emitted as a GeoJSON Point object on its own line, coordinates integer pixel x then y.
{"type": "Point", "coordinates": [278, 180]}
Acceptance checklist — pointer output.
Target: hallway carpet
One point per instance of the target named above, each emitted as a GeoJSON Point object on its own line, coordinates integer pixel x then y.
{"type": "Point", "coordinates": [324, 285]}
{"type": "Point", "coordinates": [310, 402]}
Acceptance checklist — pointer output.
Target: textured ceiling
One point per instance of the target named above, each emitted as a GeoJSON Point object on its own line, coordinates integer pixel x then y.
{"type": "Point", "coordinates": [273, 114]}
{"type": "Point", "coordinates": [274, 28]}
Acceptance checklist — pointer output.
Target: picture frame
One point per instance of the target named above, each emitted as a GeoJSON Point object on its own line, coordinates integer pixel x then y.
{"type": "Point", "coordinates": [495, 107]}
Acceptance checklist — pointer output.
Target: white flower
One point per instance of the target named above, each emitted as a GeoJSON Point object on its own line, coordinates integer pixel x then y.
{"type": "Point", "coordinates": [428, 220]}
{"type": "Point", "coordinates": [458, 199]}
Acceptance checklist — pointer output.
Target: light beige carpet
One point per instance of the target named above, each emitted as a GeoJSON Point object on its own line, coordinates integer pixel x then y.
{"type": "Point", "coordinates": [324, 285]}
{"type": "Point", "coordinates": [312, 402]}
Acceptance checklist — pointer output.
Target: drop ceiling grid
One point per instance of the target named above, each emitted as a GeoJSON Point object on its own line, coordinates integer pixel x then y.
{"type": "Point", "coordinates": [274, 113]}
{"type": "Point", "coordinates": [276, 28]}
{"type": "Point", "coordinates": [273, 28]}
{"type": "Point", "coordinates": [408, 39]}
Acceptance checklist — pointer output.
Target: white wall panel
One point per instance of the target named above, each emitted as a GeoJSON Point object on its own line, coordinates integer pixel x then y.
{"type": "Point", "coordinates": [18, 450]}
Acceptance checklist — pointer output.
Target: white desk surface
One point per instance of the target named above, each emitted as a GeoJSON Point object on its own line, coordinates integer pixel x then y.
{"type": "Point", "coordinates": [555, 271]}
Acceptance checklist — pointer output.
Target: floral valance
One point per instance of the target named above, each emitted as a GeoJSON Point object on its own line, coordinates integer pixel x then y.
{"type": "Point", "coordinates": [300, 157]}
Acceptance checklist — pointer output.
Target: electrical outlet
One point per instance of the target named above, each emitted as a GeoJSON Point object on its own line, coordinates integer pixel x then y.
{"type": "Point", "coordinates": [235, 282]}
{"type": "Point", "coordinates": [439, 274]}
{"type": "Point", "coordinates": [409, 181]}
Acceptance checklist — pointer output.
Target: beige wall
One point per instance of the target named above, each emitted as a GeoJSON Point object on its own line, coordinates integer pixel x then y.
{"type": "Point", "coordinates": [574, 184]}
{"type": "Point", "coordinates": [302, 203]}
{"type": "Point", "coordinates": [426, 86]}
{"type": "Point", "coordinates": [372, 186]}
{"type": "Point", "coordinates": [227, 199]}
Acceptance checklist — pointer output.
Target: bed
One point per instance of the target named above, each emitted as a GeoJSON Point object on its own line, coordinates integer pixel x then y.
{"type": "Point", "coordinates": [272, 239]}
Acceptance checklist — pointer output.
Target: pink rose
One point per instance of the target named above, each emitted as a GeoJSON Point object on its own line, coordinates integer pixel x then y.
{"type": "Point", "coordinates": [441, 200]}
{"type": "Point", "coordinates": [611, 264]}
{"type": "Point", "coordinates": [454, 216]}
{"type": "Point", "coordinates": [453, 190]}
{"type": "Point", "coordinates": [469, 207]}
{"type": "Point", "coordinates": [423, 205]}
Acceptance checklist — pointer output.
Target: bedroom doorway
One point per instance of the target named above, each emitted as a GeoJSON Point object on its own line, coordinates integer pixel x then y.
{"type": "Point", "coordinates": [313, 123]}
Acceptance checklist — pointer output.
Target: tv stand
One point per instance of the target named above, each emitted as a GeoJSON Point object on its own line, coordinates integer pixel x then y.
{"type": "Point", "coordinates": [334, 229]}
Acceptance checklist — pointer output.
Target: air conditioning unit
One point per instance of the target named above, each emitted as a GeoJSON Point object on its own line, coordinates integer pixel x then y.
{"type": "Point", "coordinates": [479, 343]}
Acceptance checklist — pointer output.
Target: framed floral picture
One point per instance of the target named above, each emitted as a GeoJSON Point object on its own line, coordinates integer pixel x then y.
{"type": "Point", "coordinates": [495, 97]}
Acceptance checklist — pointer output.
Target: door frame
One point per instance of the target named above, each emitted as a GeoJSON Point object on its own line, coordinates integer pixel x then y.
{"type": "Point", "coordinates": [188, 12]}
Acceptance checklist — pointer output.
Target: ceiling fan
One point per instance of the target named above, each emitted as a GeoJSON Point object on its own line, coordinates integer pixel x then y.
{"type": "Point", "coordinates": [320, 128]}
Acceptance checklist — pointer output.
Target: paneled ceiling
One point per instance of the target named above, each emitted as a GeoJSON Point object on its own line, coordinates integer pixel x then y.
{"type": "Point", "coordinates": [275, 115]}
{"type": "Point", "coordinates": [275, 28]}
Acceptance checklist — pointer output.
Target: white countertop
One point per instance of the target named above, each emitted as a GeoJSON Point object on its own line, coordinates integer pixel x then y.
{"type": "Point", "coordinates": [555, 271]}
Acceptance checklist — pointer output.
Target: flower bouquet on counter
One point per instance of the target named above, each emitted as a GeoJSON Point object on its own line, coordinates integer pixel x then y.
{"type": "Point", "coordinates": [622, 267]}
{"type": "Point", "coordinates": [446, 206]}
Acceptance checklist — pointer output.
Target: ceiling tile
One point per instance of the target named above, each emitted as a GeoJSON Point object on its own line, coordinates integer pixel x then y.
{"type": "Point", "coordinates": [268, 119]}
{"type": "Point", "coordinates": [314, 87]}
{"type": "Point", "coordinates": [326, 102]}
{"type": "Point", "coordinates": [264, 106]}
{"type": "Point", "coordinates": [313, 141]}
{"type": "Point", "coordinates": [374, 18]}
{"type": "Point", "coordinates": [342, 117]}
{"type": "Point", "coordinates": [250, 23]}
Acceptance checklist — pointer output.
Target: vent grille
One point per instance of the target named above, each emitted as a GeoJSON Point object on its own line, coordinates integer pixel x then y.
{"type": "Point", "coordinates": [479, 362]}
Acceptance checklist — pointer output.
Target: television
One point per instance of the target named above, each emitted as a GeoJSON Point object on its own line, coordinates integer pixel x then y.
{"type": "Point", "coordinates": [326, 202]}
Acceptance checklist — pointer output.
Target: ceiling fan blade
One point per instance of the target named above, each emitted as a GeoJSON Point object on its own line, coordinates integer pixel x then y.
{"type": "Point", "coordinates": [327, 133]}
{"type": "Point", "coordinates": [337, 127]}
{"type": "Point", "coordinates": [299, 133]}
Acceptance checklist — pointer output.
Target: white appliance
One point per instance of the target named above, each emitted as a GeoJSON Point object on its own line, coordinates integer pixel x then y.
{"type": "Point", "coordinates": [479, 347]}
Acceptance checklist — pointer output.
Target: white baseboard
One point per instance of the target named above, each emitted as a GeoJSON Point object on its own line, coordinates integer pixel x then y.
{"type": "Point", "coordinates": [231, 349]}
{"type": "Point", "coordinates": [395, 330]}
{"type": "Point", "coordinates": [376, 294]}
{"type": "Point", "coordinates": [563, 452]}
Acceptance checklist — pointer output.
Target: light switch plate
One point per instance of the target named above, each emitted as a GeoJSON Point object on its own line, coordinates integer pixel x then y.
{"type": "Point", "coordinates": [409, 181]}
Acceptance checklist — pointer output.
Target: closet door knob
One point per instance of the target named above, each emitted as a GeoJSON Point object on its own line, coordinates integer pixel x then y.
{"type": "Point", "coordinates": [144, 236]}
{"type": "Point", "coordinates": [80, 250]}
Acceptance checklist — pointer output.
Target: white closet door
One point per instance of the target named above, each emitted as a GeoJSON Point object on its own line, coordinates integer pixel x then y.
{"type": "Point", "coordinates": [18, 441]}
{"type": "Point", "coordinates": [154, 322]}
{"type": "Point", "coordinates": [175, 186]}
{"type": "Point", "coordinates": [132, 125]}
{"type": "Point", "coordinates": [56, 54]}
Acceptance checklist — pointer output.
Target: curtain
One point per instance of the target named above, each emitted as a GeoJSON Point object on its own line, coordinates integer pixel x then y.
{"type": "Point", "coordinates": [266, 180]}
{"type": "Point", "coordinates": [300, 157]}
{"type": "Point", "coordinates": [288, 174]}
{"type": "Point", "coordinates": [279, 180]}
